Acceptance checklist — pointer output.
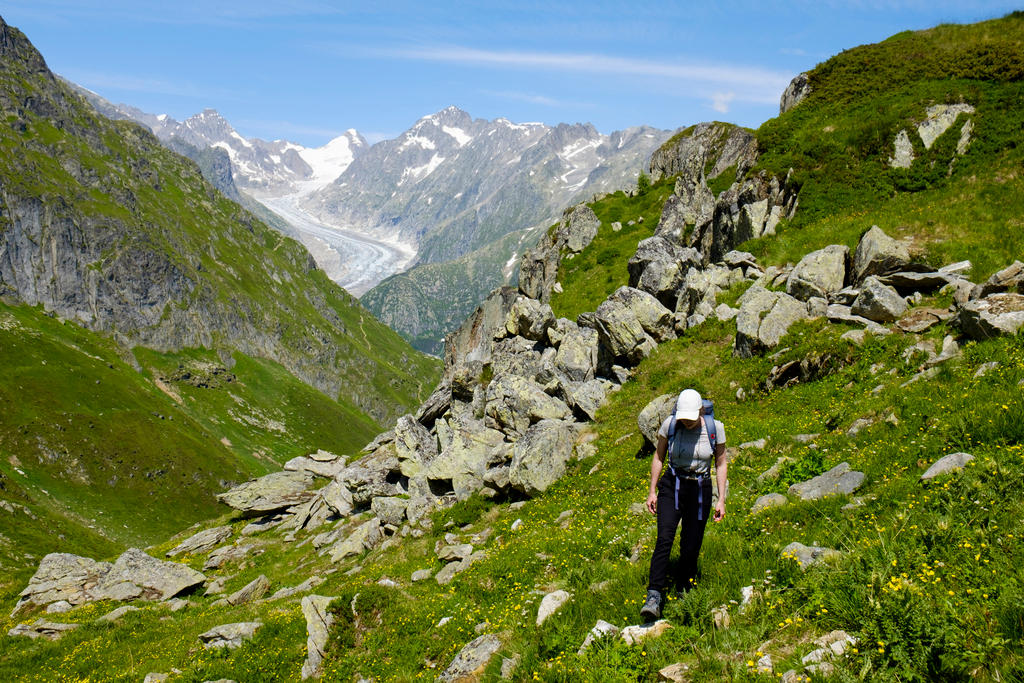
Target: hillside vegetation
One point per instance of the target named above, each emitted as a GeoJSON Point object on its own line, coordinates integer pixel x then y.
{"type": "Point", "coordinates": [926, 577]}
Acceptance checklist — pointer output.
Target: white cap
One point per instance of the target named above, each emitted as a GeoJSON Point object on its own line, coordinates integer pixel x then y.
{"type": "Point", "coordinates": [688, 405]}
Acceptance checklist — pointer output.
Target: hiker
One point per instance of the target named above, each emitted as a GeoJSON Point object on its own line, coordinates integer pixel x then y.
{"type": "Point", "coordinates": [689, 436]}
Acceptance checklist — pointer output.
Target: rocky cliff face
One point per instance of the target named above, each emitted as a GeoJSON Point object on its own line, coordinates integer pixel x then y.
{"type": "Point", "coordinates": [101, 225]}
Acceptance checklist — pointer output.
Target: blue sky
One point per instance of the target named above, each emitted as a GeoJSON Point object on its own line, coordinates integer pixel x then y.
{"type": "Point", "coordinates": [307, 70]}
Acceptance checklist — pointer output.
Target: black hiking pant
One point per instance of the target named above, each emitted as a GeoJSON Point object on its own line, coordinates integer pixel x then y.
{"type": "Point", "coordinates": [690, 493]}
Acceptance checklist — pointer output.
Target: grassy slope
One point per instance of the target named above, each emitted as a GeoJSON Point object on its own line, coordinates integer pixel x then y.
{"type": "Point", "coordinates": [928, 580]}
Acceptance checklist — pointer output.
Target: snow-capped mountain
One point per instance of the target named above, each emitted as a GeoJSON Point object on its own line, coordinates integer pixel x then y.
{"type": "Point", "coordinates": [452, 183]}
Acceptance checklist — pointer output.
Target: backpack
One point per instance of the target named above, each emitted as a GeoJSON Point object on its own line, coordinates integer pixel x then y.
{"type": "Point", "coordinates": [708, 410]}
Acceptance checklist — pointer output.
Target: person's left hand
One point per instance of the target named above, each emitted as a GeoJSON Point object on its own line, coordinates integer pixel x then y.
{"type": "Point", "coordinates": [719, 511]}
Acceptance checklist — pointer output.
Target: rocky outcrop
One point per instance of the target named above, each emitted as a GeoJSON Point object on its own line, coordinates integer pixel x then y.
{"type": "Point", "coordinates": [270, 493]}
{"type": "Point", "coordinates": [820, 273]}
{"type": "Point", "coordinates": [630, 324]}
{"type": "Point", "coordinates": [659, 267]}
{"type": "Point", "coordinates": [878, 254]}
{"type": "Point", "coordinates": [133, 576]}
{"type": "Point", "coordinates": [764, 317]}
{"type": "Point", "coordinates": [540, 456]}
{"type": "Point", "coordinates": [318, 626]}
{"type": "Point", "coordinates": [230, 636]}
{"type": "Point", "coordinates": [653, 414]}
{"type": "Point", "coordinates": [538, 268]}
{"type": "Point", "coordinates": [689, 152]}
{"type": "Point", "coordinates": [472, 659]}
{"type": "Point", "coordinates": [202, 542]}
{"type": "Point", "coordinates": [992, 316]}
{"type": "Point", "coordinates": [798, 89]}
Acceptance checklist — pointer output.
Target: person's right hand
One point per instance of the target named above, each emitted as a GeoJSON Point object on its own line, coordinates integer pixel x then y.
{"type": "Point", "coordinates": [652, 503]}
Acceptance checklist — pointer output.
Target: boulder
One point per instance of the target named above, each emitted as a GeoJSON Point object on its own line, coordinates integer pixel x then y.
{"type": "Point", "coordinates": [578, 228]}
{"type": "Point", "coordinates": [797, 90]}
{"type": "Point", "coordinates": [41, 628]}
{"type": "Point", "coordinates": [878, 302]}
{"type": "Point", "coordinates": [1011, 277]}
{"type": "Point", "coordinates": [366, 536]}
{"type": "Point", "coordinates": [903, 150]}
{"type": "Point", "coordinates": [763, 320]}
{"type": "Point", "coordinates": [540, 456]}
{"type": "Point", "coordinates": [529, 318]}
{"type": "Point", "coordinates": [946, 464]}
{"type": "Point", "coordinates": [808, 556]}
{"type": "Point", "coordinates": [201, 542]}
{"type": "Point", "coordinates": [304, 587]}
{"type": "Point", "coordinates": [577, 353]}
{"type": "Point", "coordinates": [254, 590]}
{"type": "Point", "coordinates": [315, 608]}
{"type": "Point", "coordinates": [471, 661]}
{"type": "Point", "coordinates": [938, 119]}
{"type": "Point", "coordinates": [116, 614]}
{"type": "Point", "coordinates": [878, 254]}
{"type": "Point", "coordinates": [318, 464]}
{"type": "Point", "coordinates": [338, 498]}
{"type": "Point", "coordinates": [659, 266]}
{"type": "Point", "coordinates": [587, 397]}
{"type": "Point", "coordinates": [437, 404]}
{"type": "Point", "coordinates": [514, 403]}
{"type": "Point", "coordinates": [229, 553]}
{"type": "Point", "coordinates": [229, 635]}
{"type": "Point", "coordinates": [992, 316]}
{"type": "Point", "coordinates": [840, 480]}
{"type": "Point", "coordinates": [911, 282]}
{"type": "Point", "coordinates": [630, 323]}
{"type": "Point", "coordinates": [270, 493]}
{"type": "Point", "coordinates": [653, 414]}
{"type": "Point", "coordinates": [415, 447]}
{"type": "Point", "coordinates": [455, 552]}
{"type": "Point", "coordinates": [922, 319]}
{"type": "Point", "coordinates": [390, 510]}
{"type": "Point", "coordinates": [819, 273]}
{"type": "Point", "coordinates": [550, 604]}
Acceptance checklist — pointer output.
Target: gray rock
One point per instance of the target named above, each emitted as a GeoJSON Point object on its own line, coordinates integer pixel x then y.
{"type": "Point", "coordinates": [763, 320]}
{"type": "Point", "coordinates": [659, 266]}
{"type": "Point", "coordinates": [448, 572]}
{"type": "Point", "coordinates": [229, 636]}
{"type": "Point", "coordinates": [202, 542]}
{"type": "Point", "coordinates": [808, 556]}
{"type": "Point", "coordinates": [366, 536]}
{"type": "Point", "coordinates": [389, 509]}
{"type": "Point", "coordinates": [262, 524]}
{"type": "Point", "coordinates": [421, 575]}
{"type": "Point", "coordinates": [946, 464]}
{"type": "Point", "coordinates": [578, 228]}
{"type": "Point", "coordinates": [602, 629]}
{"type": "Point", "coordinates": [878, 254]}
{"type": "Point", "coordinates": [903, 151]}
{"type": "Point", "coordinates": [317, 464]}
{"type": "Point", "coordinates": [254, 590]}
{"type": "Point", "coordinates": [817, 307]}
{"type": "Point", "coordinates": [985, 368]}
{"type": "Point", "coordinates": [938, 120]}
{"type": "Point", "coordinates": [630, 323]}
{"type": "Point", "coordinates": [338, 498]}
{"type": "Point", "coordinates": [820, 273]}
{"type": "Point", "coordinates": [639, 632]}
{"type": "Point", "coordinates": [550, 604]}
{"type": "Point", "coordinates": [992, 316]}
{"type": "Point", "coordinates": [529, 318]}
{"type": "Point", "coordinates": [921, 319]}
{"type": "Point", "coordinates": [304, 587]}
{"type": "Point", "coordinates": [318, 626]}
{"type": "Point", "coordinates": [915, 283]}
{"type": "Point", "coordinates": [577, 353]}
{"type": "Point", "coordinates": [270, 493]}
{"type": "Point", "coordinates": [878, 302]}
{"type": "Point", "coordinates": [653, 414]}
{"type": "Point", "coordinates": [586, 398]}
{"type": "Point", "coordinates": [1011, 277]}
{"type": "Point", "coordinates": [769, 500]}
{"type": "Point", "coordinates": [840, 480]}
{"type": "Point", "coordinates": [59, 607]}
{"type": "Point", "coordinates": [797, 90]}
{"type": "Point", "coordinates": [229, 553]}
{"type": "Point", "coordinates": [437, 404]}
{"type": "Point", "coordinates": [455, 552]}
{"type": "Point", "coordinates": [41, 628]}
{"type": "Point", "coordinates": [415, 447]}
{"type": "Point", "coordinates": [116, 614]}
{"type": "Point", "coordinates": [471, 660]}
{"type": "Point", "coordinates": [540, 456]}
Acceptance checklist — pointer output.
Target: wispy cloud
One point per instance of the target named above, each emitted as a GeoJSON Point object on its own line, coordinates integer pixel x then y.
{"type": "Point", "coordinates": [532, 98]}
{"type": "Point", "coordinates": [285, 128]}
{"type": "Point", "coordinates": [99, 81]}
{"type": "Point", "coordinates": [793, 51]}
{"type": "Point", "coordinates": [720, 101]}
{"type": "Point", "coordinates": [751, 83]}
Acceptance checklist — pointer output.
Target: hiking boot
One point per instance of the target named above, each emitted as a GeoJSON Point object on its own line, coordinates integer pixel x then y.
{"type": "Point", "coordinates": [651, 611]}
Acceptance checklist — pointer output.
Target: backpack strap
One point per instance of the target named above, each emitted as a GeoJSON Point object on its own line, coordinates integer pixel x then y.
{"type": "Point", "coordinates": [709, 423]}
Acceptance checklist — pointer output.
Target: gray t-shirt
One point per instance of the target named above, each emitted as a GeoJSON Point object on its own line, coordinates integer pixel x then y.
{"type": "Point", "coordinates": [690, 449]}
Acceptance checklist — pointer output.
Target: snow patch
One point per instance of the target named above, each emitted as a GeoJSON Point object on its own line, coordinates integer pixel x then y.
{"type": "Point", "coordinates": [420, 172]}
{"type": "Point", "coordinates": [238, 137]}
{"type": "Point", "coordinates": [460, 135]}
{"type": "Point", "coordinates": [330, 161]}
{"type": "Point", "coordinates": [423, 142]}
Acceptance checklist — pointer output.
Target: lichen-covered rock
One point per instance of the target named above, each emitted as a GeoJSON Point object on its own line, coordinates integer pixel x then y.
{"type": "Point", "coordinates": [550, 604]}
{"type": "Point", "coordinates": [1011, 277]}
{"type": "Point", "coordinates": [878, 254]}
{"type": "Point", "coordinates": [529, 318]}
{"type": "Point", "coordinates": [769, 500]}
{"type": "Point", "coordinates": [797, 90]}
{"type": "Point", "coordinates": [653, 414]}
{"type": "Point", "coordinates": [578, 228]}
{"type": "Point", "coordinates": [415, 447]}
{"type": "Point", "coordinates": [577, 353]}
{"type": "Point", "coordinates": [764, 317]}
{"type": "Point", "coordinates": [319, 619]}
{"type": "Point", "coordinates": [270, 493]}
{"type": "Point", "coordinates": [819, 273]}
{"type": "Point", "coordinates": [254, 590]}
{"type": "Point", "coordinates": [389, 509]}
{"type": "Point", "coordinates": [203, 541]}
{"type": "Point", "coordinates": [540, 456]}
{"type": "Point", "coordinates": [630, 324]}
{"type": "Point", "coordinates": [471, 661]}
{"type": "Point", "coordinates": [808, 556]}
{"type": "Point", "coordinates": [41, 628]}
{"type": "Point", "coordinates": [514, 403]}
{"type": "Point", "coordinates": [366, 536]}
